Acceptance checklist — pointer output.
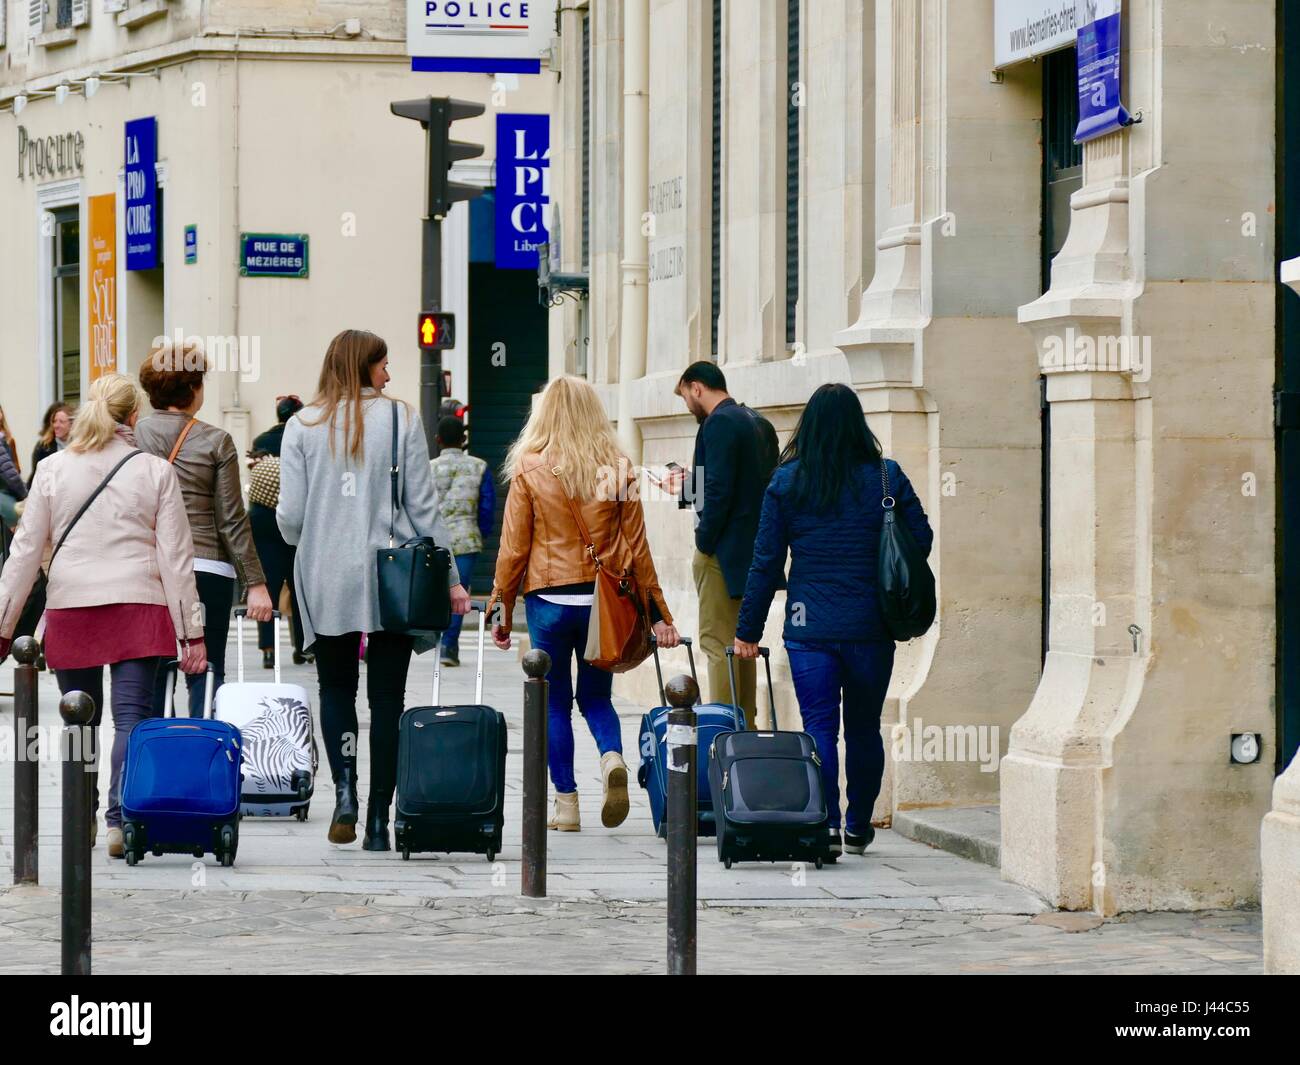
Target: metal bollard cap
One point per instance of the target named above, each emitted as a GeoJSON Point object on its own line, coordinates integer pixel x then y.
{"type": "Point", "coordinates": [537, 663]}
{"type": "Point", "coordinates": [682, 691]}
{"type": "Point", "coordinates": [26, 650]}
{"type": "Point", "coordinates": [77, 708]}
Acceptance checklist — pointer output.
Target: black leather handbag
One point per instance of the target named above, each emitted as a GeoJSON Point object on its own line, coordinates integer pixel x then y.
{"type": "Point", "coordinates": [904, 580]}
{"type": "Point", "coordinates": [414, 578]}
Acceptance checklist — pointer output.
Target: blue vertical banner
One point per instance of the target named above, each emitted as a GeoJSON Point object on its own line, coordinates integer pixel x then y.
{"type": "Point", "coordinates": [142, 194]}
{"type": "Point", "coordinates": [1097, 46]}
{"type": "Point", "coordinates": [523, 189]}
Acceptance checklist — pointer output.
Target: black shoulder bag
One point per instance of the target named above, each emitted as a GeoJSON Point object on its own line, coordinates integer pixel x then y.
{"type": "Point", "coordinates": [904, 580]}
{"type": "Point", "coordinates": [414, 579]}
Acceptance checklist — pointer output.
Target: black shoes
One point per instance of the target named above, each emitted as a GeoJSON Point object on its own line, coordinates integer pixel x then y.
{"type": "Point", "coordinates": [268, 659]}
{"type": "Point", "coordinates": [836, 846]}
{"type": "Point", "coordinates": [855, 844]}
{"type": "Point", "coordinates": [302, 659]}
{"type": "Point", "coordinates": [343, 825]}
{"type": "Point", "coordinates": [376, 828]}
{"type": "Point", "coordinates": [451, 660]}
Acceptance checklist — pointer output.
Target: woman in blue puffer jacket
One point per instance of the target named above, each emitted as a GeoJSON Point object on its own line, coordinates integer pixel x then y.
{"type": "Point", "coordinates": [824, 506]}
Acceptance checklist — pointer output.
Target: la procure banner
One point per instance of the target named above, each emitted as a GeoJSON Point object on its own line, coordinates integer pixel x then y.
{"type": "Point", "coordinates": [142, 194]}
{"type": "Point", "coordinates": [523, 190]}
{"type": "Point", "coordinates": [1100, 110]}
{"type": "Point", "coordinates": [479, 36]}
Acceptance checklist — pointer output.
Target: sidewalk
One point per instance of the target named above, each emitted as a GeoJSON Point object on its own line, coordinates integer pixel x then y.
{"type": "Point", "coordinates": [295, 902]}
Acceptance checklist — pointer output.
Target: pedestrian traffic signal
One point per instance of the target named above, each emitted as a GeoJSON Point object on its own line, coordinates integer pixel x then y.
{"type": "Point", "coordinates": [436, 114]}
{"type": "Point", "coordinates": [437, 330]}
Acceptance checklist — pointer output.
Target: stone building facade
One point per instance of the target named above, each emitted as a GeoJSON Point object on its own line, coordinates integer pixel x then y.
{"type": "Point", "coordinates": [1071, 349]}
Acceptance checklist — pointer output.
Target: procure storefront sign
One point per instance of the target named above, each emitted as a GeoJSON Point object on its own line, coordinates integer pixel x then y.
{"type": "Point", "coordinates": [142, 194]}
{"type": "Point", "coordinates": [523, 189]}
{"type": "Point", "coordinates": [49, 157]}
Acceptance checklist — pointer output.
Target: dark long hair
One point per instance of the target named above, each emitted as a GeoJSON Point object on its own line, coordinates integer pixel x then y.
{"type": "Point", "coordinates": [343, 375]}
{"type": "Point", "coordinates": [831, 441]}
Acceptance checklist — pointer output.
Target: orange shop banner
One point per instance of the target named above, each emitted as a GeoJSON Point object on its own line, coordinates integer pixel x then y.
{"type": "Point", "coordinates": [102, 246]}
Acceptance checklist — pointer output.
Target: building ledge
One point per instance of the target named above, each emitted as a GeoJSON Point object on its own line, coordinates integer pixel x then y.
{"type": "Point", "coordinates": [149, 11]}
{"type": "Point", "coordinates": [57, 38]}
{"type": "Point", "coordinates": [973, 832]}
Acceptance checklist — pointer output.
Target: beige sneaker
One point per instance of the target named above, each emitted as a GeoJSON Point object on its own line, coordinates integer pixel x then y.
{"type": "Point", "coordinates": [116, 844]}
{"type": "Point", "coordinates": [613, 770]}
{"type": "Point", "coordinates": [565, 818]}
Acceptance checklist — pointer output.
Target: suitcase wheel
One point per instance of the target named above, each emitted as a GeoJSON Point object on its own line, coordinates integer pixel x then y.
{"type": "Point", "coordinates": [128, 841]}
{"type": "Point", "coordinates": [227, 846]}
{"type": "Point", "coordinates": [818, 862]}
{"type": "Point", "coordinates": [301, 813]}
{"type": "Point", "coordinates": [491, 854]}
{"type": "Point", "coordinates": [726, 863]}
{"type": "Point", "coordinates": [406, 854]}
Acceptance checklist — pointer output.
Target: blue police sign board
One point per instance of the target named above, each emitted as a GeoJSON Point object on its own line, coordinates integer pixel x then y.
{"type": "Point", "coordinates": [1100, 111]}
{"type": "Point", "coordinates": [523, 189]}
{"type": "Point", "coordinates": [142, 194]}
{"type": "Point", "coordinates": [272, 254]}
{"type": "Point", "coordinates": [191, 245]}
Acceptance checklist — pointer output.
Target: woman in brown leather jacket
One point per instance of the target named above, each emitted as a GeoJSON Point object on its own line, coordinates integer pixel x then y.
{"type": "Point", "coordinates": [568, 451]}
{"type": "Point", "coordinates": [207, 466]}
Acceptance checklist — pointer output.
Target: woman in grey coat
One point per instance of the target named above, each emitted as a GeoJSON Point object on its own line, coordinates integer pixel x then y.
{"type": "Point", "coordinates": [336, 507]}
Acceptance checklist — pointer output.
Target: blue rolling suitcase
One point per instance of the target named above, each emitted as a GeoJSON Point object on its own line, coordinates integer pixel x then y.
{"type": "Point", "coordinates": [180, 786]}
{"type": "Point", "coordinates": [713, 719]}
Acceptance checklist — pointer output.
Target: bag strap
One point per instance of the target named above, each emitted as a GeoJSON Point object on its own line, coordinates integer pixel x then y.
{"type": "Point", "coordinates": [884, 485]}
{"type": "Point", "coordinates": [577, 517]}
{"type": "Point", "coordinates": [86, 505]}
{"type": "Point", "coordinates": [176, 447]}
{"type": "Point", "coordinates": [392, 470]}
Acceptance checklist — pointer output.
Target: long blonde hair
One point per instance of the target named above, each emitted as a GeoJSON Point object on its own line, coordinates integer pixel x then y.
{"type": "Point", "coordinates": [343, 375]}
{"type": "Point", "coordinates": [112, 399]}
{"type": "Point", "coordinates": [568, 426]}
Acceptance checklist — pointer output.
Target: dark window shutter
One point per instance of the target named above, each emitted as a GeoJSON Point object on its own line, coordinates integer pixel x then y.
{"type": "Point", "coordinates": [791, 170]}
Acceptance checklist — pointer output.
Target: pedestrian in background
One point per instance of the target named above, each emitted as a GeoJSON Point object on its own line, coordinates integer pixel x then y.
{"type": "Point", "coordinates": [825, 507]}
{"type": "Point", "coordinates": [275, 554]}
{"type": "Point", "coordinates": [12, 489]}
{"type": "Point", "coordinates": [567, 456]}
{"type": "Point", "coordinates": [53, 438]}
{"type": "Point", "coordinates": [336, 508]}
{"type": "Point", "coordinates": [207, 467]}
{"type": "Point", "coordinates": [735, 453]}
{"type": "Point", "coordinates": [467, 500]}
{"type": "Point", "coordinates": [121, 589]}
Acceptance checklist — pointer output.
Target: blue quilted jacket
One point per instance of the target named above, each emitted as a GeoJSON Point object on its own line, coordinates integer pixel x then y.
{"type": "Point", "coordinates": [832, 585]}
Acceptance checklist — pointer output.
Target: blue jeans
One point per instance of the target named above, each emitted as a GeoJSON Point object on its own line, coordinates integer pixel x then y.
{"type": "Point", "coordinates": [561, 631]}
{"type": "Point", "coordinates": [860, 671]}
{"type": "Point", "coordinates": [451, 638]}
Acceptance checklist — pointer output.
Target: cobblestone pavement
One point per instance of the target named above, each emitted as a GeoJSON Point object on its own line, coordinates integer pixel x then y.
{"type": "Point", "coordinates": [290, 932]}
{"type": "Point", "coordinates": [293, 902]}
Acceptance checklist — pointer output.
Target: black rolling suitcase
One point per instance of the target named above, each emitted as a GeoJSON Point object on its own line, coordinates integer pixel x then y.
{"type": "Point", "coordinates": [451, 772]}
{"type": "Point", "coordinates": [768, 801]}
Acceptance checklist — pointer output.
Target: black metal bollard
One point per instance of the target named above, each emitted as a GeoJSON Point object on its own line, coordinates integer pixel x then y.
{"type": "Point", "coordinates": [77, 710]}
{"type": "Point", "coordinates": [682, 825]}
{"type": "Point", "coordinates": [26, 763]}
{"type": "Point", "coordinates": [537, 664]}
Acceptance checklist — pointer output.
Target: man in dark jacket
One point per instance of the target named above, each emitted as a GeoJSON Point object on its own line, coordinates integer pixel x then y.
{"type": "Point", "coordinates": [735, 453]}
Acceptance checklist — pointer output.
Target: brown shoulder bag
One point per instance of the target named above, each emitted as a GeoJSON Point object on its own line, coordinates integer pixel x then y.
{"type": "Point", "coordinates": [618, 636]}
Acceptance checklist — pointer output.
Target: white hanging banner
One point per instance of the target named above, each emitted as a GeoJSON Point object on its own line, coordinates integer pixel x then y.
{"type": "Point", "coordinates": [1023, 29]}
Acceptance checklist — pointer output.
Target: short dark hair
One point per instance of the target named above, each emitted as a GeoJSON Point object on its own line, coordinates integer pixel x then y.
{"type": "Point", "coordinates": [706, 373]}
{"type": "Point", "coordinates": [171, 375]}
{"type": "Point", "coordinates": [451, 431]}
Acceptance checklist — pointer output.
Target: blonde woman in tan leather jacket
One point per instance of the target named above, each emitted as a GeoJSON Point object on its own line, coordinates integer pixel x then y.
{"type": "Point", "coordinates": [207, 466]}
{"type": "Point", "coordinates": [568, 450]}
{"type": "Point", "coordinates": [121, 587]}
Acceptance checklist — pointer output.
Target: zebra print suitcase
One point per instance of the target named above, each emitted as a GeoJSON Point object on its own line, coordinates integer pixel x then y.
{"type": "Point", "coordinates": [280, 756]}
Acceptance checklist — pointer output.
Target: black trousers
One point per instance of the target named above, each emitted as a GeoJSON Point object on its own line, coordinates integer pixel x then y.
{"type": "Point", "coordinates": [277, 558]}
{"type": "Point", "coordinates": [388, 658]}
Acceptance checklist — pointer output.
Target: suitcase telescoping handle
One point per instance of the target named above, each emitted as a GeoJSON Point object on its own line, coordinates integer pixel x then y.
{"type": "Point", "coordinates": [771, 693]}
{"type": "Point", "coordinates": [481, 606]}
{"type": "Point", "coordinates": [241, 613]}
{"type": "Point", "coordinates": [209, 681]}
{"type": "Point", "coordinates": [663, 694]}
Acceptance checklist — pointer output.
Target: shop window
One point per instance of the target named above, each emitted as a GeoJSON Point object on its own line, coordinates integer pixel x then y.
{"type": "Point", "coordinates": [67, 304]}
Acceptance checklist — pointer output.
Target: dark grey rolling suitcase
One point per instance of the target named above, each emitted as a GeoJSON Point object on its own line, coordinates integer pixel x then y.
{"type": "Point", "coordinates": [769, 804]}
{"type": "Point", "coordinates": [451, 772]}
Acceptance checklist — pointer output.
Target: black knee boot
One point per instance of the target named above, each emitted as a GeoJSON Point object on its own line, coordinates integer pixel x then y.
{"type": "Point", "coordinates": [343, 825]}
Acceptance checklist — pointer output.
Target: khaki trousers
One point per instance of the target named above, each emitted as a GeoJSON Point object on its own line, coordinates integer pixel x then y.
{"type": "Point", "coordinates": [718, 616]}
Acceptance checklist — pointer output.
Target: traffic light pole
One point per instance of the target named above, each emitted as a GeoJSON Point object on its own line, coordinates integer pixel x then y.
{"type": "Point", "coordinates": [431, 300]}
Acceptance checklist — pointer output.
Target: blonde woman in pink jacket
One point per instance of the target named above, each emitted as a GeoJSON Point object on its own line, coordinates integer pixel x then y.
{"type": "Point", "coordinates": [121, 589]}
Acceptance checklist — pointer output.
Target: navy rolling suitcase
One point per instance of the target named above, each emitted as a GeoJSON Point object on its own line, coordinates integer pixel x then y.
{"type": "Point", "coordinates": [712, 720]}
{"type": "Point", "coordinates": [768, 797]}
{"type": "Point", "coordinates": [181, 784]}
{"type": "Point", "coordinates": [451, 771]}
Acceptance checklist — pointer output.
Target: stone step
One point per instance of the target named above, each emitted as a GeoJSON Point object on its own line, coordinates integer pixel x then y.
{"type": "Point", "coordinates": [973, 832]}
